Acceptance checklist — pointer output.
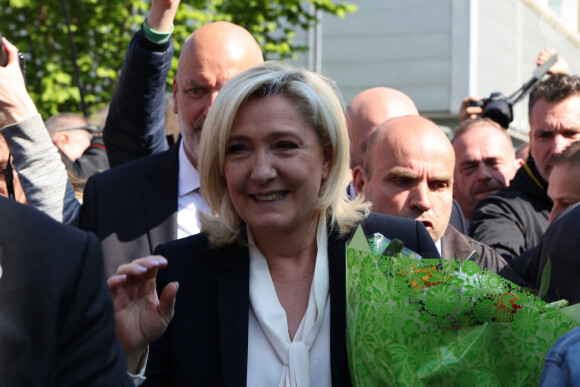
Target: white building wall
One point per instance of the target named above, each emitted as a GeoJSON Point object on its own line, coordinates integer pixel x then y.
{"type": "Point", "coordinates": [439, 51]}
{"type": "Point", "coordinates": [564, 11]}
{"type": "Point", "coordinates": [510, 35]}
{"type": "Point", "coordinates": [400, 44]}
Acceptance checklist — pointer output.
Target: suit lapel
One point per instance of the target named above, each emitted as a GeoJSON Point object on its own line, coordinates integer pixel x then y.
{"type": "Point", "coordinates": [233, 304]}
{"type": "Point", "coordinates": [1, 262]}
{"type": "Point", "coordinates": [160, 200]}
{"type": "Point", "coordinates": [337, 287]}
{"type": "Point", "coordinates": [453, 245]}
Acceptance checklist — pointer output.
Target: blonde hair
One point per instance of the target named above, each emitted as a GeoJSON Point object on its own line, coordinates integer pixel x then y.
{"type": "Point", "coordinates": [318, 103]}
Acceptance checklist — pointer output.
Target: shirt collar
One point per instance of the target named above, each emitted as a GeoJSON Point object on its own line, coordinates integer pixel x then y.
{"type": "Point", "coordinates": [188, 179]}
{"type": "Point", "coordinates": [438, 245]}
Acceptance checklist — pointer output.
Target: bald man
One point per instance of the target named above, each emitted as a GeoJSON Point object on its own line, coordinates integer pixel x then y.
{"type": "Point", "coordinates": [369, 109]}
{"type": "Point", "coordinates": [485, 162]}
{"type": "Point", "coordinates": [213, 54]}
{"type": "Point", "coordinates": [408, 172]}
{"type": "Point", "coordinates": [138, 205]}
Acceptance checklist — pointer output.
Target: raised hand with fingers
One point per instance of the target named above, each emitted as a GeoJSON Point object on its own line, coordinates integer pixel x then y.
{"type": "Point", "coordinates": [141, 316]}
{"type": "Point", "coordinates": [468, 111]}
{"type": "Point", "coordinates": [162, 15]}
{"type": "Point", "coordinates": [560, 67]}
{"type": "Point", "coordinates": [15, 103]}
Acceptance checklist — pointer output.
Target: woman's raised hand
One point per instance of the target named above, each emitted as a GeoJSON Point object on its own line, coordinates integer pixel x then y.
{"type": "Point", "coordinates": [141, 316]}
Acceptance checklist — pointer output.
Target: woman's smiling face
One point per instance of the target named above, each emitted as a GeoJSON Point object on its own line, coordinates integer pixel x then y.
{"type": "Point", "coordinates": [275, 167]}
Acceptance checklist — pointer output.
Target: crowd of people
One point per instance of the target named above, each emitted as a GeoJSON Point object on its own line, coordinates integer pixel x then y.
{"type": "Point", "coordinates": [220, 259]}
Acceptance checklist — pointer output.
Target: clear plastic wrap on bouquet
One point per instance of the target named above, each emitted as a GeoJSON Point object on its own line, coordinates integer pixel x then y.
{"type": "Point", "coordinates": [418, 322]}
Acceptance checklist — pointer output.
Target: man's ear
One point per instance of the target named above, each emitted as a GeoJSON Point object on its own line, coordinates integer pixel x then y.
{"type": "Point", "coordinates": [62, 139]}
{"type": "Point", "coordinates": [359, 178]}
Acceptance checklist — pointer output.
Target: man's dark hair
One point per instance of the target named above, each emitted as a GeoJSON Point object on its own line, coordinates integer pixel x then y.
{"type": "Point", "coordinates": [554, 89]}
{"type": "Point", "coordinates": [570, 155]}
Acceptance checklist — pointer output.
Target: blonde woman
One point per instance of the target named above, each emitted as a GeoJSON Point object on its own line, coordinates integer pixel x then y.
{"type": "Point", "coordinates": [262, 290]}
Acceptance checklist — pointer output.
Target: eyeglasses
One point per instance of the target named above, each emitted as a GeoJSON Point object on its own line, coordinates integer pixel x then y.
{"type": "Point", "coordinates": [88, 128]}
{"type": "Point", "coordinates": [9, 177]}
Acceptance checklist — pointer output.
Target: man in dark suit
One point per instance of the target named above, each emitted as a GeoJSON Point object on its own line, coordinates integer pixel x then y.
{"type": "Point", "coordinates": [207, 340]}
{"type": "Point", "coordinates": [57, 326]}
{"type": "Point", "coordinates": [408, 172]}
{"type": "Point", "coordinates": [154, 200]}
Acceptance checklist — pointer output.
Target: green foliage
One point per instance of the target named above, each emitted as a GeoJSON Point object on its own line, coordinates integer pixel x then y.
{"type": "Point", "coordinates": [102, 30]}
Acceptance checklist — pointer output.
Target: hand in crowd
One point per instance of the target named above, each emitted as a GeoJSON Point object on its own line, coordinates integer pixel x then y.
{"type": "Point", "coordinates": [15, 103]}
{"type": "Point", "coordinates": [141, 316]}
{"type": "Point", "coordinates": [469, 112]}
{"type": "Point", "coordinates": [162, 15]}
{"type": "Point", "coordinates": [560, 67]}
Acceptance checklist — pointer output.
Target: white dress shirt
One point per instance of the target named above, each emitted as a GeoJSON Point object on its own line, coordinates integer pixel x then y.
{"type": "Point", "coordinates": [273, 358]}
{"type": "Point", "coordinates": [189, 200]}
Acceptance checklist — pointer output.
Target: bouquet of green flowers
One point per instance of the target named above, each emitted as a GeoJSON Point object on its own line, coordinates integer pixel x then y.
{"type": "Point", "coordinates": [415, 322]}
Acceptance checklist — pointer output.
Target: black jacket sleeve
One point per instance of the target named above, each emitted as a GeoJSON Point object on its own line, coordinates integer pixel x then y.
{"type": "Point", "coordinates": [135, 125]}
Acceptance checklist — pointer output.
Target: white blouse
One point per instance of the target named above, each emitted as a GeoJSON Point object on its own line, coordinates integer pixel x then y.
{"type": "Point", "coordinates": [273, 358]}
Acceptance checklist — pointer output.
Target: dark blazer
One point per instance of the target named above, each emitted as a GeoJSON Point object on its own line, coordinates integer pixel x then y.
{"type": "Point", "coordinates": [457, 220]}
{"type": "Point", "coordinates": [206, 344]}
{"type": "Point", "coordinates": [514, 219]}
{"type": "Point", "coordinates": [132, 208]}
{"type": "Point", "coordinates": [56, 317]}
{"type": "Point", "coordinates": [455, 245]}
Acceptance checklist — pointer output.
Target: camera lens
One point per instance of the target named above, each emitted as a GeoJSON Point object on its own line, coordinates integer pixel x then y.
{"type": "Point", "coordinates": [499, 111]}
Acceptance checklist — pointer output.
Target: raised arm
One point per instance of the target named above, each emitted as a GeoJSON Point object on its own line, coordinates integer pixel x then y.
{"type": "Point", "coordinates": [135, 126]}
{"type": "Point", "coordinates": [162, 15]}
{"type": "Point", "coordinates": [40, 170]}
{"type": "Point", "coordinates": [469, 112]}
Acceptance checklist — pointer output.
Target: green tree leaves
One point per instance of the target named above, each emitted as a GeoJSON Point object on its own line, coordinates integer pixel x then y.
{"type": "Point", "coordinates": [102, 30]}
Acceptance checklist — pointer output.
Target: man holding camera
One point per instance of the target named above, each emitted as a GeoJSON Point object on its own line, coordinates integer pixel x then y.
{"type": "Point", "coordinates": [514, 220]}
{"type": "Point", "coordinates": [31, 170]}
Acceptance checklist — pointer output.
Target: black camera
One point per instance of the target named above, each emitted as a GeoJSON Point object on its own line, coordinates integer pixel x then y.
{"type": "Point", "coordinates": [497, 107]}
{"type": "Point", "coordinates": [500, 108]}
